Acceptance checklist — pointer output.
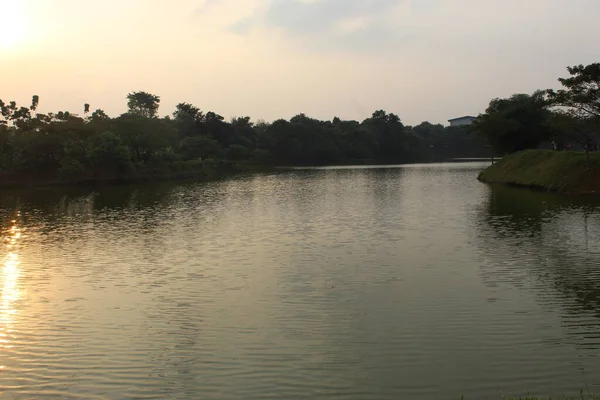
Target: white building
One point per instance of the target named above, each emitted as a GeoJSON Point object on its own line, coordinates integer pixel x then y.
{"type": "Point", "coordinates": [462, 121]}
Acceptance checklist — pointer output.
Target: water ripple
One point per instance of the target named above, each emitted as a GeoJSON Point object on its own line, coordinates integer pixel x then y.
{"type": "Point", "coordinates": [372, 283]}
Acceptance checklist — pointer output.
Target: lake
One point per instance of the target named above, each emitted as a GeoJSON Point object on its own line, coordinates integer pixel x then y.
{"type": "Point", "coordinates": [394, 282]}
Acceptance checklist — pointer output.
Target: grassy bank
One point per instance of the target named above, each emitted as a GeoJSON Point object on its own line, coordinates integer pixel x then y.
{"type": "Point", "coordinates": [583, 395]}
{"type": "Point", "coordinates": [564, 172]}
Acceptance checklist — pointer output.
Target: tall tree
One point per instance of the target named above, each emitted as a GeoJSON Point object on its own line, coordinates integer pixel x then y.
{"type": "Point", "coordinates": [35, 101]}
{"type": "Point", "coordinates": [99, 115]}
{"type": "Point", "coordinates": [581, 93]}
{"type": "Point", "coordinates": [143, 104]}
{"type": "Point", "coordinates": [388, 128]}
{"type": "Point", "coordinates": [516, 123]}
{"type": "Point", "coordinates": [577, 106]}
{"type": "Point", "coordinates": [244, 134]}
{"type": "Point", "coordinates": [188, 119]}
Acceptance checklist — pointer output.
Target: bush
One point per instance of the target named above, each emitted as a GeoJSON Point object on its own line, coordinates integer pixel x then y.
{"type": "Point", "coordinates": [263, 157]}
{"type": "Point", "coordinates": [237, 152]}
{"type": "Point", "coordinates": [71, 169]}
{"type": "Point", "coordinates": [108, 155]}
{"type": "Point", "coordinates": [199, 147]}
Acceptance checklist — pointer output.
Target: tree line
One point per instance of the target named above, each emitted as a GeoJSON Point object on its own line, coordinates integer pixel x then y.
{"type": "Point", "coordinates": [93, 145]}
{"type": "Point", "coordinates": [565, 118]}
{"type": "Point", "coordinates": [65, 145]}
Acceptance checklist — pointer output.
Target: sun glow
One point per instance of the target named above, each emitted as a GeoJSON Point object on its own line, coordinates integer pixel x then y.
{"type": "Point", "coordinates": [9, 286]}
{"type": "Point", "coordinates": [13, 26]}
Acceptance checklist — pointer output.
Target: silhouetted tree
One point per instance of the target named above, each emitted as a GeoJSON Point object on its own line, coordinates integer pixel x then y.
{"type": "Point", "coordinates": [516, 123]}
{"type": "Point", "coordinates": [143, 104]}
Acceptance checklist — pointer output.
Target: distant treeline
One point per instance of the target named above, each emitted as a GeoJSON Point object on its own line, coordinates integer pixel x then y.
{"type": "Point", "coordinates": [67, 146]}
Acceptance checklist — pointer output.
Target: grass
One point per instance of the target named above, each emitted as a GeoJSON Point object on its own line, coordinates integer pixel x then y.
{"type": "Point", "coordinates": [583, 395]}
{"type": "Point", "coordinates": [555, 171]}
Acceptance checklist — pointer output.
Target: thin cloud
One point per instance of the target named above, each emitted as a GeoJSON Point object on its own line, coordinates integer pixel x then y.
{"type": "Point", "coordinates": [346, 26]}
{"type": "Point", "coordinates": [205, 6]}
{"type": "Point", "coordinates": [301, 18]}
{"type": "Point", "coordinates": [242, 26]}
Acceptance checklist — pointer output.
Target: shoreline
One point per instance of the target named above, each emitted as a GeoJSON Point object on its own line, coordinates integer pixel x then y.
{"type": "Point", "coordinates": [562, 172]}
{"type": "Point", "coordinates": [200, 173]}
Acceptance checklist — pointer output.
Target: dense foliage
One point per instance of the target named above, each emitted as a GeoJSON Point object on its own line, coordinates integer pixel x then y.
{"type": "Point", "coordinates": [516, 123]}
{"type": "Point", "coordinates": [66, 146]}
{"type": "Point", "coordinates": [576, 107]}
{"type": "Point", "coordinates": [566, 116]}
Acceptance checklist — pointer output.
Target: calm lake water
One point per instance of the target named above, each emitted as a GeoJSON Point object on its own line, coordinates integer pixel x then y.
{"type": "Point", "coordinates": [412, 282]}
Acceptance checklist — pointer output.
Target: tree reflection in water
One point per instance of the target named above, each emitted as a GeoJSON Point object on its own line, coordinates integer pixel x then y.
{"type": "Point", "coordinates": [554, 247]}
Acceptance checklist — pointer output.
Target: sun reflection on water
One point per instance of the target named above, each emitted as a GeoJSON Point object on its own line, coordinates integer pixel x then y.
{"type": "Point", "coordinates": [9, 288]}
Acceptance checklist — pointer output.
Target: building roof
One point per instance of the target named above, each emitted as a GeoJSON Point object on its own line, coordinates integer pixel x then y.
{"type": "Point", "coordinates": [465, 117]}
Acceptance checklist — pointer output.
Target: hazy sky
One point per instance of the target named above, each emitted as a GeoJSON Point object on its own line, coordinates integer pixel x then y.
{"type": "Point", "coordinates": [422, 59]}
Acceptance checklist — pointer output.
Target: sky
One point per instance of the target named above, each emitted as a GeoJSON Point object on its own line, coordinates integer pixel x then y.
{"type": "Point", "coordinates": [425, 60]}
